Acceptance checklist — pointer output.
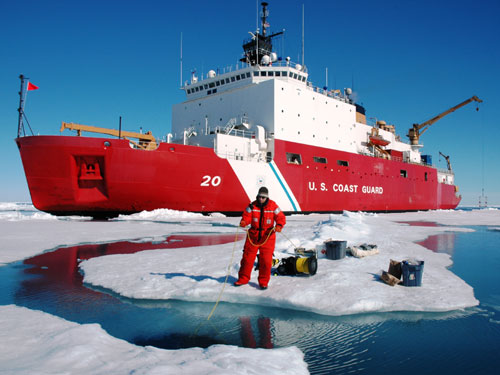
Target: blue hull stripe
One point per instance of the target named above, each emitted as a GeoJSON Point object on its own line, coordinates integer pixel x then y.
{"type": "Point", "coordinates": [283, 186]}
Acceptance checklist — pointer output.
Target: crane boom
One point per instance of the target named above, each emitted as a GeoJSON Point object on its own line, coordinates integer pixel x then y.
{"type": "Point", "coordinates": [147, 140]}
{"type": "Point", "coordinates": [418, 129]}
{"type": "Point", "coordinates": [447, 158]}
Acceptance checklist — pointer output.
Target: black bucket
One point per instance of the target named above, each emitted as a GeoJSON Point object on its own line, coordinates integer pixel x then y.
{"type": "Point", "coordinates": [412, 272]}
{"type": "Point", "coordinates": [335, 249]}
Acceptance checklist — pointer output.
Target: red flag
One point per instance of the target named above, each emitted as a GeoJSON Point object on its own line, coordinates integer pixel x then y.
{"type": "Point", "coordinates": [32, 86]}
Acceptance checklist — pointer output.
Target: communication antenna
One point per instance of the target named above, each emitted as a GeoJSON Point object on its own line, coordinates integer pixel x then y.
{"type": "Point", "coordinates": [483, 200]}
{"type": "Point", "coordinates": [181, 59]}
{"type": "Point", "coordinates": [256, 14]}
{"type": "Point", "coordinates": [302, 34]}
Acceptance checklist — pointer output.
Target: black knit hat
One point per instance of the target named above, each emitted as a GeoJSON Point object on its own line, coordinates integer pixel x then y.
{"type": "Point", "coordinates": [263, 192]}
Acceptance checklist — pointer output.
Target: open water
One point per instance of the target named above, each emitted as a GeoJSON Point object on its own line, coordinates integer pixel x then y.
{"type": "Point", "coordinates": [459, 342]}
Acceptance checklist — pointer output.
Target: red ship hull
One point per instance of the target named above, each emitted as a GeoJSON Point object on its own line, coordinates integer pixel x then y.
{"type": "Point", "coordinates": [104, 177]}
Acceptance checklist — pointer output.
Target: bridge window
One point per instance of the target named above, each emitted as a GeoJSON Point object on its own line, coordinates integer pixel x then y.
{"type": "Point", "coordinates": [343, 163]}
{"type": "Point", "coordinates": [403, 173]}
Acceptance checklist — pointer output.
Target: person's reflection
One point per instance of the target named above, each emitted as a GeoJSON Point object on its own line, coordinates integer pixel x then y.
{"type": "Point", "coordinates": [247, 336]}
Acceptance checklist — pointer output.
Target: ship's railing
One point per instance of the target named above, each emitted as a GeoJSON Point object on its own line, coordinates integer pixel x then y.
{"type": "Point", "coordinates": [335, 94]}
{"type": "Point", "coordinates": [400, 159]}
{"type": "Point", "coordinates": [235, 132]}
{"type": "Point", "coordinates": [446, 171]}
{"type": "Point", "coordinates": [239, 156]}
{"type": "Point", "coordinates": [243, 65]}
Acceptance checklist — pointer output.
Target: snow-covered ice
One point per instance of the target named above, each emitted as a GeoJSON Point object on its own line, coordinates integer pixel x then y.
{"type": "Point", "coordinates": [33, 342]}
{"type": "Point", "coordinates": [346, 286]}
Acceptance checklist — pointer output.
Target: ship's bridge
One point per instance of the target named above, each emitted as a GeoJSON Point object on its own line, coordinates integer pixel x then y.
{"type": "Point", "coordinates": [216, 83]}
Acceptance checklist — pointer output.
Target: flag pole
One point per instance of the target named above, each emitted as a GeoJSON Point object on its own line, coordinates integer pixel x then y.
{"type": "Point", "coordinates": [21, 106]}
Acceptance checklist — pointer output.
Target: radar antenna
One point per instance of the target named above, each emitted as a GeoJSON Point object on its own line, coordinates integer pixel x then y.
{"type": "Point", "coordinates": [260, 44]}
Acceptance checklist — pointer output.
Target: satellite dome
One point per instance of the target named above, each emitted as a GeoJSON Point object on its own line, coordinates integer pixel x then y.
{"type": "Point", "coordinates": [211, 73]}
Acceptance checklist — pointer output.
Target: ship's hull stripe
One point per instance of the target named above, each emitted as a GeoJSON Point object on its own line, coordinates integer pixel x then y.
{"type": "Point", "coordinates": [273, 168]}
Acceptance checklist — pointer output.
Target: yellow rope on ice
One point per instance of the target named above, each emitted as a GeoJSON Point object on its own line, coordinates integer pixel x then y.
{"type": "Point", "coordinates": [263, 243]}
{"type": "Point", "coordinates": [283, 234]}
{"type": "Point", "coordinates": [227, 275]}
{"type": "Point", "coordinates": [231, 263]}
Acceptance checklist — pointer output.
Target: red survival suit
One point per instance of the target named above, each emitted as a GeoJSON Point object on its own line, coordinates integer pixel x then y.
{"type": "Point", "coordinates": [262, 235]}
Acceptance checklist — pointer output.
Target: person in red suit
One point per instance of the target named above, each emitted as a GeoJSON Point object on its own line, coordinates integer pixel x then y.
{"type": "Point", "coordinates": [261, 215]}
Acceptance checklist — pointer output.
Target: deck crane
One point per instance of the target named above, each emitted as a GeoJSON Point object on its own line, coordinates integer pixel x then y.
{"type": "Point", "coordinates": [418, 129]}
{"type": "Point", "coordinates": [145, 141]}
{"type": "Point", "coordinates": [447, 158]}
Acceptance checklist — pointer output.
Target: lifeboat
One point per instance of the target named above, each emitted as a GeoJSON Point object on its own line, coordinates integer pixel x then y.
{"type": "Point", "coordinates": [378, 140]}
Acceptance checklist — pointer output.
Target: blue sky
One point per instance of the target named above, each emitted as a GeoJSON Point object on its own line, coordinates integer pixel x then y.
{"type": "Point", "coordinates": [407, 60]}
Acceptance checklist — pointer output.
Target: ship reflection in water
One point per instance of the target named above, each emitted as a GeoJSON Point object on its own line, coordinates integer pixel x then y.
{"type": "Point", "coordinates": [439, 243]}
{"type": "Point", "coordinates": [52, 282]}
{"type": "Point", "coordinates": [62, 265]}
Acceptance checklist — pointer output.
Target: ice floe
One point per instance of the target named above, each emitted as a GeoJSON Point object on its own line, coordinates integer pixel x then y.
{"type": "Point", "coordinates": [34, 342]}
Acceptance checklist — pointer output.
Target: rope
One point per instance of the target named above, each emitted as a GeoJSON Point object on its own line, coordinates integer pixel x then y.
{"type": "Point", "coordinates": [263, 243]}
{"type": "Point", "coordinates": [231, 262]}
{"type": "Point", "coordinates": [227, 275]}
{"type": "Point", "coordinates": [283, 234]}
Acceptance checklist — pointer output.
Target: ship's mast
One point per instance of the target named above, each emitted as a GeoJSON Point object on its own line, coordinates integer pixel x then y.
{"type": "Point", "coordinates": [261, 44]}
{"type": "Point", "coordinates": [21, 106]}
{"type": "Point", "coordinates": [264, 15]}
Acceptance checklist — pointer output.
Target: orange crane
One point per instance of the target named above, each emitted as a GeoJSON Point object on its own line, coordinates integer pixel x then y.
{"type": "Point", "coordinates": [418, 129]}
{"type": "Point", "coordinates": [147, 141]}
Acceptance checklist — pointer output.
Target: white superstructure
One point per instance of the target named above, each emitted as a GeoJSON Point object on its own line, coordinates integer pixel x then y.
{"type": "Point", "coordinates": [240, 113]}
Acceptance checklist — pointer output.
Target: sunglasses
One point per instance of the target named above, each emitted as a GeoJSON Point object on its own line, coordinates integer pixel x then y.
{"type": "Point", "coordinates": [261, 197]}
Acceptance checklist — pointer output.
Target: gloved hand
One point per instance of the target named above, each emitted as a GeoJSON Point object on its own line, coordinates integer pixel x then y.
{"type": "Point", "coordinates": [243, 224]}
{"type": "Point", "coordinates": [278, 228]}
